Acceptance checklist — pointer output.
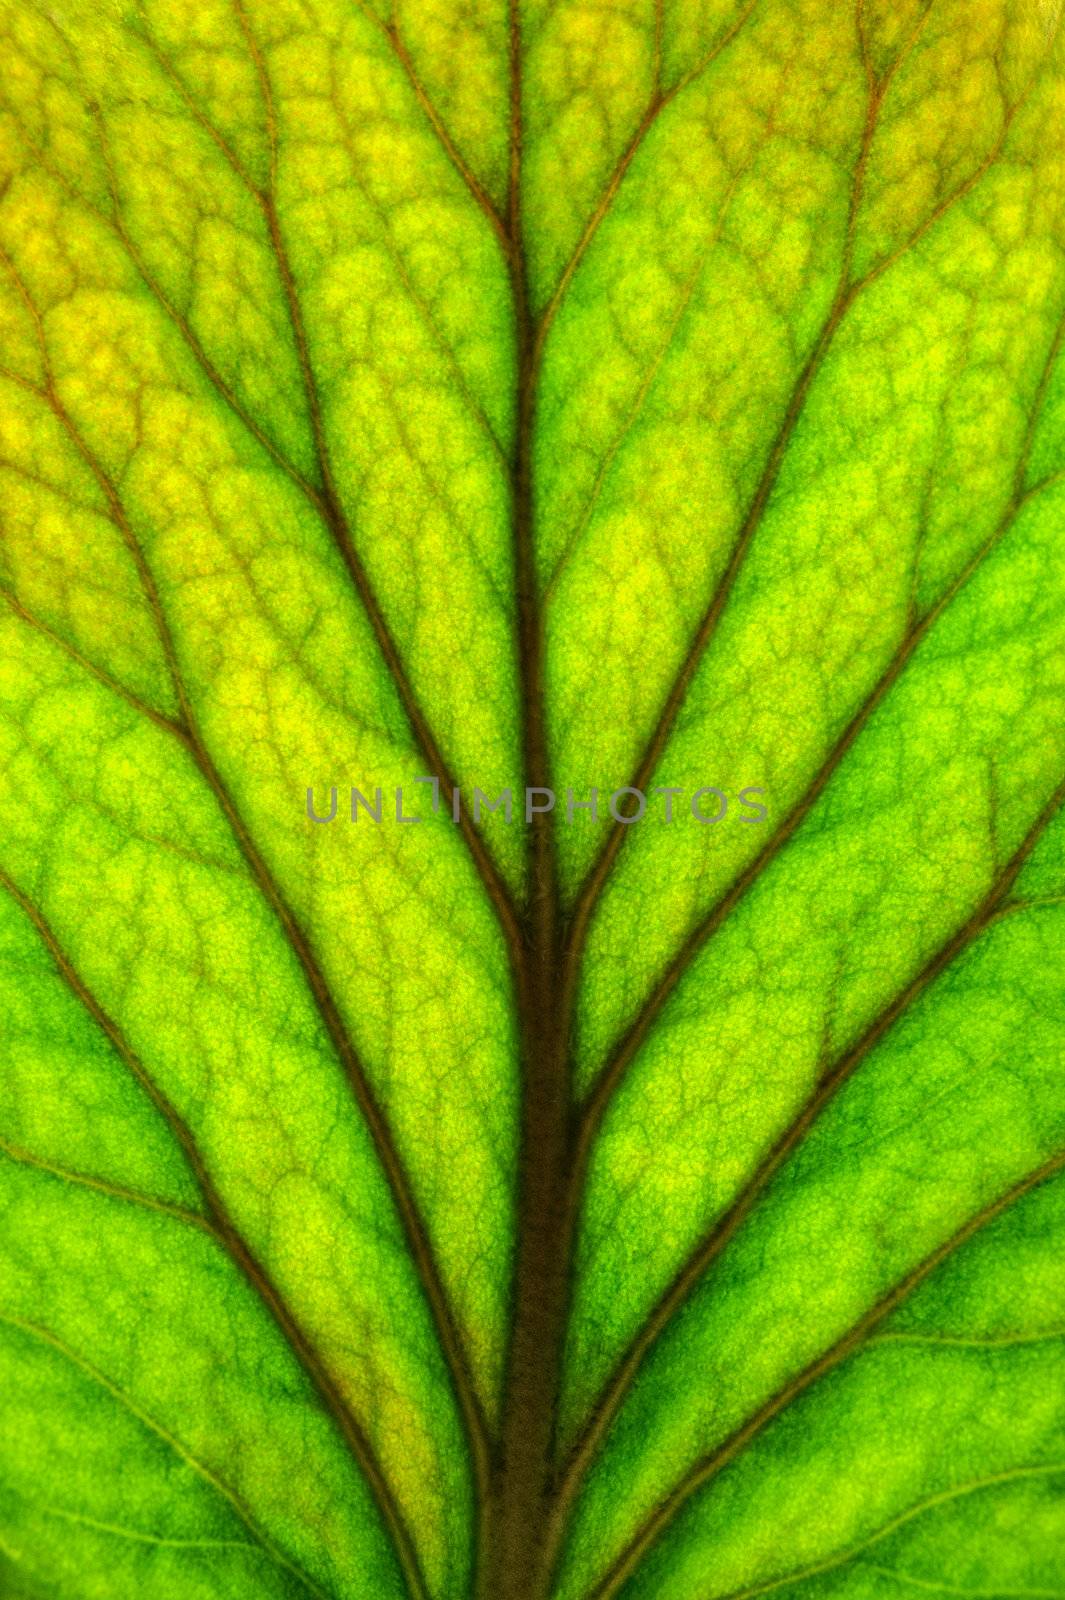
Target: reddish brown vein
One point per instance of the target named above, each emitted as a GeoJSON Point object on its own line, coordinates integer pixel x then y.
{"type": "Point", "coordinates": [327, 505]}
{"type": "Point", "coordinates": [189, 735]}
{"type": "Point", "coordinates": [725, 1229]}
{"type": "Point", "coordinates": [851, 1342]}
{"type": "Point", "coordinates": [324, 497]}
{"type": "Point", "coordinates": [141, 706]}
{"type": "Point", "coordinates": [630, 1043]}
{"type": "Point", "coordinates": [238, 1250]}
{"type": "Point", "coordinates": [656, 105]}
{"type": "Point", "coordinates": [847, 292]}
{"type": "Point", "coordinates": [340, 530]}
{"type": "Point", "coordinates": [114, 1191]}
{"type": "Point", "coordinates": [514, 1563]}
{"type": "Point", "coordinates": [509, 1558]}
{"type": "Point", "coordinates": [454, 154]}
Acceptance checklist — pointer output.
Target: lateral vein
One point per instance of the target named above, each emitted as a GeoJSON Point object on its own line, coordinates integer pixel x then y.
{"type": "Point", "coordinates": [189, 735]}
{"type": "Point", "coordinates": [855, 1552]}
{"type": "Point", "coordinates": [628, 1045]}
{"type": "Point", "coordinates": [703, 1471]}
{"type": "Point", "coordinates": [726, 1228]}
{"type": "Point", "coordinates": [115, 1191]}
{"type": "Point", "coordinates": [848, 290]}
{"type": "Point", "coordinates": [238, 1250]}
{"type": "Point", "coordinates": [222, 1489]}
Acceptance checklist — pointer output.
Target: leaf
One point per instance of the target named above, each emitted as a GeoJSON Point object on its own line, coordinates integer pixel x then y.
{"type": "Point", "coordinates": [663, 398]}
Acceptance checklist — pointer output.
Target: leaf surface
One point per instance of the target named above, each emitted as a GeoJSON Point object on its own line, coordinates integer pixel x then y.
{"type": "Point", "coordinates": [664, 397]}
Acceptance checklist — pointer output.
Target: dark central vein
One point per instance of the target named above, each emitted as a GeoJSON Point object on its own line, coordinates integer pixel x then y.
{"type": "Point", "coordinates": [519, 1494]}
{"type": "Point", "coordinates": [510, 1565]}
{"type": "Point", "coordinates": [847, 290]}
{"type": "Point", "coordinates": [518, 1558]}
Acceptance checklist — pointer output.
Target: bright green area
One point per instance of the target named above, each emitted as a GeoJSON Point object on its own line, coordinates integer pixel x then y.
{"type": "Point", "coordinates": [796, 284]}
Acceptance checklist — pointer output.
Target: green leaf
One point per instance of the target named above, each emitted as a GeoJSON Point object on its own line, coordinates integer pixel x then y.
{"type": "Point", "coordinates": [652, 397]}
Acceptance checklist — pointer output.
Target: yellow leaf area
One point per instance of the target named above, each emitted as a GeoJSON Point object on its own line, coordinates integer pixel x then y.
{"type": "Point", "coordinates": [662, 396]}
